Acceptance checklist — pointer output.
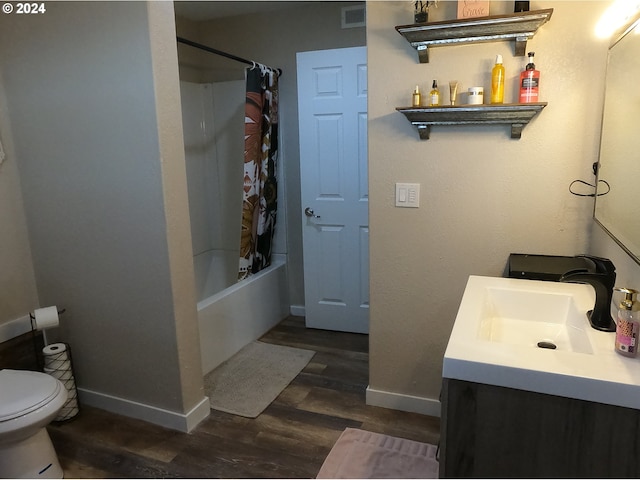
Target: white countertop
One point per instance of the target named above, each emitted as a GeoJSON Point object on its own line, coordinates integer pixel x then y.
{"type": "Point", "coordinates": [602, 376]}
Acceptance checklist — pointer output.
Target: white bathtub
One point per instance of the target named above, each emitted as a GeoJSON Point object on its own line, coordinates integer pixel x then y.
{"type": "Point", "coordinates": [241, 313]}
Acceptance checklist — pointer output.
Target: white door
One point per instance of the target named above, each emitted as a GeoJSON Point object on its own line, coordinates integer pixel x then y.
{"type": "Point", "coordinates": [332, 116]}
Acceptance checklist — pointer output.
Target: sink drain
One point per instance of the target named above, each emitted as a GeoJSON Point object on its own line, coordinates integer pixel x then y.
{"type": "Point", "coordinates": [549, 345]}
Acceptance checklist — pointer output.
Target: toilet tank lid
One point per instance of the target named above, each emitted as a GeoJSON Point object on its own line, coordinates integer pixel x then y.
{"type": "Point", "coordinates": [22, 391]}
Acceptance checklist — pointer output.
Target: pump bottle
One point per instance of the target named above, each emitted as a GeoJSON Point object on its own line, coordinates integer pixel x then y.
{"type": "Point", "coordinates": [434, 95]}
{"type": "Point", "coordinates": [529, 82]}
{"type": "Point", "coordinates": [497, 81]}
{"type": "Point", "coordinates": [627, 324]}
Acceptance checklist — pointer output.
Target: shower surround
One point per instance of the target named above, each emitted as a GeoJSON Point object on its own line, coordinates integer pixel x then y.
{"type": "Point", "coordinates": [230, 314]}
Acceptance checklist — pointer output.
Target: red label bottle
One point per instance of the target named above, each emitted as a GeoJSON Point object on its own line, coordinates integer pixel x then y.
{"type": "Point", "coordinates": [529, 82]}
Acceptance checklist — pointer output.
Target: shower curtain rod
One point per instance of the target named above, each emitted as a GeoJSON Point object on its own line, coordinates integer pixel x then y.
{"type": "Point", "coordinates": [224, 54]}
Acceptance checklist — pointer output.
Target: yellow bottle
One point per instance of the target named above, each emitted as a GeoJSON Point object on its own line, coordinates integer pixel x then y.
{"type": "Point", "coordinates": [497, 81]}
{"type": "Point", "coordinates": [417, 98]}
{"type": "Point", "coordinates": [434, 95]}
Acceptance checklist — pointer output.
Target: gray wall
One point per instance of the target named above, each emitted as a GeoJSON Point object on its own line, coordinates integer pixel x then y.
{"type": "Point", "coordinates": [18, 293]}
{"type": "Point", "coordinates": [93, 100]}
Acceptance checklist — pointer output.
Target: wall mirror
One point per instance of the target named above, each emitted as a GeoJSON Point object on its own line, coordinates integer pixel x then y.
{"type": "Point", "coordinates": [618, 211]}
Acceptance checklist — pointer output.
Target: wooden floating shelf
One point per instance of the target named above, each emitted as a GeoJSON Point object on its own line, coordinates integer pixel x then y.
{"type": "Point", "coordinates": [518, 27]}
{"type": "Point", "coordinates": [515, 114]}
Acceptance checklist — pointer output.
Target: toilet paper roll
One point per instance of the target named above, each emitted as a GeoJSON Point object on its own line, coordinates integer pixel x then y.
{"type": "Point", "coordinates": [57, 366]}
{"type": "Point", "coordinates": [52, 365]}
{"type": "Point", "coordinates": [46, 317]}
{"type": "Point", "coordinates": [62, 374]}
{"type": "Point", "coordinates": [68, 412]}
{"type": "Point", "coordinates": [55, 357]}
{"type": "Point", "coordinates": [70, 408]}
{"type": "Point", "coordinates": [54, 349]}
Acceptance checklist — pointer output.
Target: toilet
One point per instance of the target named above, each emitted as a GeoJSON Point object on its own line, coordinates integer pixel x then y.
{"type": "Point", "coordinates": [29, 401]}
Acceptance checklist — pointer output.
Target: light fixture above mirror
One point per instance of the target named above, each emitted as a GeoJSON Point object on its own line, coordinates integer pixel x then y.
{"type": "Point", "coordinates": [619, 14]}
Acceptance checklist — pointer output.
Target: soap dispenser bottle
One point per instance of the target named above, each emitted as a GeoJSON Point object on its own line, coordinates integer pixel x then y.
{"type": "Point", "coordinates": [529, 82]}
{"type": "Point", "coordinates": [627, 324]}
{"type": "Point", "coordinates": [434, 95]}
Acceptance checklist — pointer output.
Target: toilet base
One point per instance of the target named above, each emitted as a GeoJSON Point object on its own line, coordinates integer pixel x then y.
{"type": "Point", "coordinates": [33, 457]}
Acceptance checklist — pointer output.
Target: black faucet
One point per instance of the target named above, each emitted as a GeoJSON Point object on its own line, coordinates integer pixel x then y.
{"type": "Point", "coordinates": [602, 280]}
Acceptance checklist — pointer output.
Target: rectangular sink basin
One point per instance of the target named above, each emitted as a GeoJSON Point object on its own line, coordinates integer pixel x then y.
{"type": "Point", "coordinates": [533, 319]}
{"type": "Point", "coordinates": [535, 335]}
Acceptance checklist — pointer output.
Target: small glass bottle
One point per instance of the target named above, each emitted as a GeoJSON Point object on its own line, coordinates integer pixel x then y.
{"type": "Point", "coordinates": [497, 81]}
{"type": "Point", "coordinates": [417, 98]}
{"type": "Point", "coordinates": [627, 324]}
{"type": "Point", "coordinates": [434, 95]}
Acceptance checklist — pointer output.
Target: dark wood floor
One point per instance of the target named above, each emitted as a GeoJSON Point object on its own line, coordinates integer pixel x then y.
{"type": "Point", "coordinates": [290, 439]}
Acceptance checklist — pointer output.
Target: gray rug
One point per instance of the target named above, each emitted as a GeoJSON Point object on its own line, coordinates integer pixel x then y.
{"type": "Point", "coordinates": [250, 380]}
{"type": "Point", "coordinates": [362, 454]}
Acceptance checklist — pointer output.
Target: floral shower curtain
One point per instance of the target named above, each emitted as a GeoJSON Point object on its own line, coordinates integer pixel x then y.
{"type": "Point", "coordinates": [259, 204]}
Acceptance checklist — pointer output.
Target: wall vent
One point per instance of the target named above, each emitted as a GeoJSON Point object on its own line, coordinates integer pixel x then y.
{"type": "Point", "coordinates": [354, 16]}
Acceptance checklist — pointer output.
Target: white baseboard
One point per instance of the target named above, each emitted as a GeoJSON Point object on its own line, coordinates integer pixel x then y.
{"type": "Point", "coordinates": [297, 310]}
{"type": "Point", "coordinates": [405, 403]}
{"type": "Point", "coordinates": [15, 328]}
{"type": "Point", "coordinates": [184, 422]}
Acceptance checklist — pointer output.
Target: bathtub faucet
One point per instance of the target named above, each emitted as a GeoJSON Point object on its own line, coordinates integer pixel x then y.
{"type": "Point", "coordinates": [602, 281]}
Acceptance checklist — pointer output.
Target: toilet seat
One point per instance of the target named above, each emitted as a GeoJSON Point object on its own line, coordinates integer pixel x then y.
{"type": "Point", "coordinates": [22, 392]}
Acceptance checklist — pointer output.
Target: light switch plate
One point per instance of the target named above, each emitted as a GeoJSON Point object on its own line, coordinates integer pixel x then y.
{"type": "Point", "coordinates": [408, 195]}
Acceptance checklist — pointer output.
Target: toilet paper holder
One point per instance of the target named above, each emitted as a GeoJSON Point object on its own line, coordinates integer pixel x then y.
{"type": "Point", "coordinates": [58, 362]}
{"type": "Point", "coordinates": [34, 329]}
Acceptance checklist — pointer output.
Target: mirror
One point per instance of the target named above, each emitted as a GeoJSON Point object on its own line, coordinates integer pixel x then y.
{"type": "Point", "coordinates": [617, 211]}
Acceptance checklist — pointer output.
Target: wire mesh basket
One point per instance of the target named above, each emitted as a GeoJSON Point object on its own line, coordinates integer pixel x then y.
{"type": "Point", "coordinates": [57, 363]}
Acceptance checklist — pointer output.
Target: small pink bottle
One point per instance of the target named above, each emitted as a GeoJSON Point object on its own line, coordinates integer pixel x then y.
{"type": "Point", "coordinates": [627, 325]}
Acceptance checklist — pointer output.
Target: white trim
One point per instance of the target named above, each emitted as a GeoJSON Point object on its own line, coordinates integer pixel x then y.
{"type": "Point", "coordinates": [15, 328]}
{"type": "Point", "coordinates": [184, 422]}
{"type": "Point", "coordinates": [297, 310]}
{"type": "Point", "coordinates": [405, 403]}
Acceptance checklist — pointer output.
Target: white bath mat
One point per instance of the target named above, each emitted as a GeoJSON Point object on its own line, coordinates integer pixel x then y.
{"type": "Point", "coordinates": [362, 454]}
{"type": "Point", "coordinates": [250, 380]}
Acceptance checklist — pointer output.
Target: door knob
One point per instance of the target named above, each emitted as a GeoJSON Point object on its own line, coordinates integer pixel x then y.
{"type": "Point", "coordinates": [309, 213]}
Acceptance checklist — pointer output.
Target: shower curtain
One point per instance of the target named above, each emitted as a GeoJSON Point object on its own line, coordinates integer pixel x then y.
{"type": "Point", "coordinates": [259, 204]}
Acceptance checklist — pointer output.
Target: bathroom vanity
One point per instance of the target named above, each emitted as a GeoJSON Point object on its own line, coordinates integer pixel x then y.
{"type": "Point", "coordinates": [514, 406]}
{"type": "Point", "coordinates": [497, 432]}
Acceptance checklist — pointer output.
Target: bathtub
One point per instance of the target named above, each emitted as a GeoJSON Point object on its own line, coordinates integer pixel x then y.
{"type": "Point", "coordinates": [239, 314]}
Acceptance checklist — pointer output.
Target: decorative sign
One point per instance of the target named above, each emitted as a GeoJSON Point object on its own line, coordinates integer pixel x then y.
{"type": "Point", "coordinates": [473, 8]}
